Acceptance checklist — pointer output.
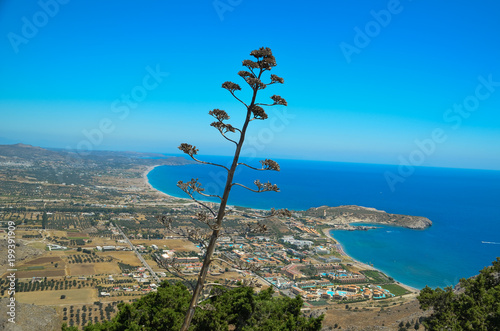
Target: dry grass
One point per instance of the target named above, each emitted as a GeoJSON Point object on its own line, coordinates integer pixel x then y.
{"type": "Point", "coordinates": [81, 269]}
{"type": "Point", "coordinates": [37, 244]}
{"type": "Point", "coordinates": [59, 272]}
{"type": "Point", "coordinates": [127, 257]}
{"type": "Point", "coordinates": [44, 260]}
{"type": "Point", "coordinates": [57, 233]}
{"type": "Point", "coordinates": [107, 268]}
{"type": "Point", "coordinates": [47, 298]}
{"type": "Point", "coordinates": [371, 316]}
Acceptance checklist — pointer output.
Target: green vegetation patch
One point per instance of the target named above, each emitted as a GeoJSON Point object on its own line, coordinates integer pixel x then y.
{"type": "Point", "coordinates": [124, 267]}
{"type": "Point", "coordinates": [35, 267]}
{"type": "Point", "coordinates": [376, 276]}
{"type": "Point", "coordinates": [395, 289]}
{"type": "Point", "coordinates": [318, 303]}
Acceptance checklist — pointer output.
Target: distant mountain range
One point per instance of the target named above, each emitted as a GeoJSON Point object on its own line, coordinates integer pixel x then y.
{"type": "Point", "coordinates": [22, 152]}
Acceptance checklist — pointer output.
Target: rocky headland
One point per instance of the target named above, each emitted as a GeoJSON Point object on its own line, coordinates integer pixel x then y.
{"type": "Point", "coordinates": [343, 216]}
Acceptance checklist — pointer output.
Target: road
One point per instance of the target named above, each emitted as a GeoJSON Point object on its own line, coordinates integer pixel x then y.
{"type": "Point", "coordinates": [139, 255]}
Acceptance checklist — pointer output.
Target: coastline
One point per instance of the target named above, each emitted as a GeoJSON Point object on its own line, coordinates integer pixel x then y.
{"type": "Point", "coordinates": [148, 185]}
{"type": "Point", "coordinates": [362, 265]}
{"type": "Point", "coordinates": [326, 232]}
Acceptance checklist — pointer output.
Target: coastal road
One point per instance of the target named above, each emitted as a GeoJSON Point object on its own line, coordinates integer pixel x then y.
{"type": "Point", "coordinates": [139, 255]}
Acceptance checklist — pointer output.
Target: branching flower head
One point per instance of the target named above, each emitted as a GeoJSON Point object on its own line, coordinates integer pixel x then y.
{"type": "Point", "coordinates": [244, 74]}
{"type": "Point", "coordinates": [250, 64]}
{"type": "Point", "coordinates": [277, 79]}
{"type": "Point", "coordinates": [258, 112]}
{"type": "Point", "coordinates": [269, 164]}
{"type": "Point", "coordinates": [279, 100]}
{"type": "Point", "coordinates": [265, 57]}
{"type": "Point", "coordinates": [219, 114]}
{"type": "Point", "coordinates": [255, 83]}
{"type": "Point", "coordinates": [188, 149]}
{"type": "Point", "coordinates": [165, 220]}
{"type": "Point", "coordinates": [222, 127]}
{"type": "Point", "coordinates": [265, 187]}
{"type": "Point", "coordinates": [230, 86]}
{"type": "Point", "coordinates": [192, 186]}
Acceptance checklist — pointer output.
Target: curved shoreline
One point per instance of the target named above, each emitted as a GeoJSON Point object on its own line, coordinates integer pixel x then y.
{"type": "Point", "coordinates": [326, 232]}
{"type": "Point", "coordinates": [363, 265]}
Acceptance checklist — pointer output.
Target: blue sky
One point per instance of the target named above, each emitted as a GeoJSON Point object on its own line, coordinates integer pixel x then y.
{"type": "Point", "coordinates": [367, 81]}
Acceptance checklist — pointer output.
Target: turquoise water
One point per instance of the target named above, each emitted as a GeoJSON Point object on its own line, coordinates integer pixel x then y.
{"type": "Point", "coordinates": [463, 205]}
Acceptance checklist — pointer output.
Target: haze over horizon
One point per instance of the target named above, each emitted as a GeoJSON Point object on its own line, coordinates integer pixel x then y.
{"type": "Point", "coordinates": [372, 82]}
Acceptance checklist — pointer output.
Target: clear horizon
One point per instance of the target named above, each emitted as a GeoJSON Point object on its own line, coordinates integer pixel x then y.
{"type": "Point", "coordinates": [201, 156]}
{"type": "Point", "coordinates": [380, 82]}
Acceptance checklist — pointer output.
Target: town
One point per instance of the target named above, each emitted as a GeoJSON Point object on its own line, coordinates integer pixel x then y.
{"type": "Point", "coordinates": [88, 245]}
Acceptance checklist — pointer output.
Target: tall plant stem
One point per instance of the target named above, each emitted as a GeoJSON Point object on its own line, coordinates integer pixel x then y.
{"type": "Point", "coordinates": [220, 216]}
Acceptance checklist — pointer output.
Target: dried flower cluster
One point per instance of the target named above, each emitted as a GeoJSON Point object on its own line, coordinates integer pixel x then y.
{"type": "Point", "coordinates": [258, 112]}
{"type": "Point", "coordinates": [276, 79]}
{"type": "Point", "coordinates": [230, 86]}
{"type": "Point", "coordinates": [279, 100]}
{"type": "Point", "coordinates": [266, 187]}
{"type": "Point", "coordinates": [192, 186]}
{"type": "Point", "coordinates": [188, 149]}
{"type": "Point", "coordinates": [269, 164]}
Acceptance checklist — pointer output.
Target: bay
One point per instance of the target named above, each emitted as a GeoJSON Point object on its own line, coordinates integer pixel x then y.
{"type": "Point", "coordinates": [463, 204]}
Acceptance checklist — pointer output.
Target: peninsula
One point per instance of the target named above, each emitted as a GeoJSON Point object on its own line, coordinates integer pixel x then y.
{"type": "Point", "coordinates": [343, 216]}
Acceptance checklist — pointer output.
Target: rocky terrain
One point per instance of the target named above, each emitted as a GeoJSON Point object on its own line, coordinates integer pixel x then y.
{"type": "Point", "coordinates": [29, 317]}
{"type": "Point", "coordinates": [345, 215]}
{"type": "Point", "coordinates": [23, 252]}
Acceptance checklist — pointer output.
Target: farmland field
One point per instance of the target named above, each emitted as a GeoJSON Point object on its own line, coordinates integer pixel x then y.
{"type": "Point", "coordinates": [127, 257]}
{"type": "Point", "coordinates": [86, 295]}
{"type": "Point", "coordinates": [42, 267]}
{"type": "Point", "coordinates": [44, 260]}
{"type": "Point", "coordinates": [107, 268]}
{"type": "Point", "coordinates": [41, 273]}
{"type": "Point", "coordinates": [81, 269]}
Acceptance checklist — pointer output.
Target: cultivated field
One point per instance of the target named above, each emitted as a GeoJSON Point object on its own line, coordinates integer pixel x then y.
{"type": "Point", "coordinates": [84, 295]}
{"type": "Point", "coordinates": [44, 266]}
{"type": "Point", "coordinates": [127, 257]}
{"type": "Point", "coordinates": [179, 245]}
{"type": "Point", "coordinates": [81, 269]}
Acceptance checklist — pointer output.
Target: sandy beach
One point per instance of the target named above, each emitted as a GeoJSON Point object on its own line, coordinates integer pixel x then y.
{"type": "Point", "coordinates": [362, 265]}
{"type": "Point", "coordinates": [150, 187]}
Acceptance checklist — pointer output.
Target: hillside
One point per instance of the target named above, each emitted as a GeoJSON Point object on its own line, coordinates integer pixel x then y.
{"type": "Point", "coordinates": [29, 317]}
{"type": "Point", "coordinates": [355, 214]}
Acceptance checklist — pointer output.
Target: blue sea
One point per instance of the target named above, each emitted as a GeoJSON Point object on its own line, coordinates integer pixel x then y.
{"type": "Point", "coordinates": [463, 204]}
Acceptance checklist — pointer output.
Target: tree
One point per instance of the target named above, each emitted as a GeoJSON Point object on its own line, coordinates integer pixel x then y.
{"type": "Point", "coordinates": [264, 61]}
{"type": "Point", "coordinates": [45, 218]}
{"type": "Point", "coordinates": [236, 309]}
{"type": "Point", "coordinates": [473, 305]}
